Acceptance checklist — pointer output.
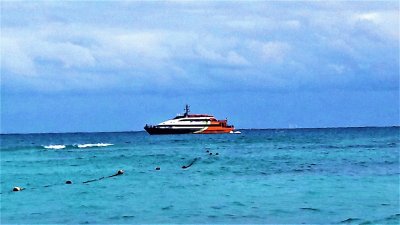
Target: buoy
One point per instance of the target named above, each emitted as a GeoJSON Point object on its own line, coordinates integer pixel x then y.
{"type": "Point", "coordinates": [68, 182]}
{"type": "Point", "coordinates": [18, 189]}
{"type": "Point", "coordinates": [207, 151]}
{"type": "Point", "coordinates": [217, 153]}
{"type": "Point", "coordinates": [210, 153]}
{"type": "Point", "coordinates": [120, 172]}
{"type": "Point", "coordinates": [157, 168]}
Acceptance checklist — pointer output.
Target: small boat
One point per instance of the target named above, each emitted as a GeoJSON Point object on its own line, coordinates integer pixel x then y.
{"type": "Point", "coordinates": [191, 124]}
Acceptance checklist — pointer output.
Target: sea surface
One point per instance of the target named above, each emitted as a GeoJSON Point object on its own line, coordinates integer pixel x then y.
{"type": "Point", "coordinates": [341, 175]}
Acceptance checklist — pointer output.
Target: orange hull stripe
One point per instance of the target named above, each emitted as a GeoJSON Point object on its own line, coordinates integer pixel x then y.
{"type": "Point", "coordinates": [213, 130]}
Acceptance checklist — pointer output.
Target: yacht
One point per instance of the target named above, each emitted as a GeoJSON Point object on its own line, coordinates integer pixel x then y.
{"type": "Point", "coordinates": [191, 124]}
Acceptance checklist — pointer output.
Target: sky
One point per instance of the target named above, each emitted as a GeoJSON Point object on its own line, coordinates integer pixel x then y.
{"type": "Point", "coordinates": [87, 66]}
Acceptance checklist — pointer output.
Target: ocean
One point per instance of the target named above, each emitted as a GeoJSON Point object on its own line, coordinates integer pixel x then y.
{"type": "Point", "coordinates": [338, 175]}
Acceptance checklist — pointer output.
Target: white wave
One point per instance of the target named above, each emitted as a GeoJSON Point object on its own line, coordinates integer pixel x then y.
{"type": "Point", "coordinates": [94, 145]}
{"type": "Point", "coordinates": [54, 146]}
{"type": "Point", "coordinates": [235, 132]}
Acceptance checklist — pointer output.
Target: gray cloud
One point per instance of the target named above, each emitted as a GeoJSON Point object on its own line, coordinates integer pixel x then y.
{"type": "Point", "coordinates": [135, 45]}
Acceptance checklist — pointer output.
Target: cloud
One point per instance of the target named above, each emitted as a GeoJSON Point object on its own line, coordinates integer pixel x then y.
{"type": "Point", "coordinates": [29, 49]}
{"type": "Point", "coordinates": [146, 44]}
{"type": "Point", "coordinates": [138, 45]}
{"type": "Point", "coordinates": [382, 23]}
{"type": "Point", "coordinates": [68, 54]}
{"type": "Point", "coordinates": [229, 58]}
{"type": "Point", "coordinates": [274, 51]}
{"type": "Point", "coordinates": [254, 23]}
{"type": "Point", "coordinates": [14, 59]}
{"type": "Point", "coordinates": [372, 17]}
{"type": "Point", "coordinates": [338, 69]}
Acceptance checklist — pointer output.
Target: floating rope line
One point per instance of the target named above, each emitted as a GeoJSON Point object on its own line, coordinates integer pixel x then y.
{"type": "Point", "coordinates": [119, 172]}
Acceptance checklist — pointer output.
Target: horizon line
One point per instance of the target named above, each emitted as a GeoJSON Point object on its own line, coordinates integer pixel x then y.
{"type": "Point", "coordinates": [136, 131]}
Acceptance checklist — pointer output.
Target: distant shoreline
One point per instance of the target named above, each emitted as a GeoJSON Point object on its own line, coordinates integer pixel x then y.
{"type": "Point", "coordinates": [244, 129]}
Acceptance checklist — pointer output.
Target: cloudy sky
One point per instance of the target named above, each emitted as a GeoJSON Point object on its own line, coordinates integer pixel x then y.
{"type": "Point", "coordinates": [115, 66]}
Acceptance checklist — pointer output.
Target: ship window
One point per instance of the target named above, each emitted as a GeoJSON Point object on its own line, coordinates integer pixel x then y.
{"type": "Point", "coordinates": [194, 120]}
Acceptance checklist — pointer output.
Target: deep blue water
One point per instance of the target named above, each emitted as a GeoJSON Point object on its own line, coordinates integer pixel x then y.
{"type": "Point", "coordinates": [343, 175]}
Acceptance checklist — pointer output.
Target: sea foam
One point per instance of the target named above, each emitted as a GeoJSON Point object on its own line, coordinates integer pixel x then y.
{"type": "Point", "coordinates": [90, 145]}
{"type": "Point", "coordinates": [94, 145]}
{"type": "Point", "coordinates": [54, 146]}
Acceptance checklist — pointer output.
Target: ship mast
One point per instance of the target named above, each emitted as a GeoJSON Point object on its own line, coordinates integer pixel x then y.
{"type": "Point", "coordinates": [187, 110]}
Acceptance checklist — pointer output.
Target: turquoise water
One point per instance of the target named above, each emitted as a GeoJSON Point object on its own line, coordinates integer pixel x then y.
{"type": "Point", "coordinates": [344, 175]}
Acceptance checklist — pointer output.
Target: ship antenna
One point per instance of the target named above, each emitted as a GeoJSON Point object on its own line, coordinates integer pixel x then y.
{"type": "Point", "coordinates": [187, 110]}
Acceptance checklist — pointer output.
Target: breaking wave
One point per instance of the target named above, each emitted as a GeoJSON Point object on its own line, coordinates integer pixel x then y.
{"type": "Point", "coordinates": [54, 146]}
{"type": "Point", "coordinates": [93, 145]}
{"type": "Point", "coordinates": [90, 145]}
